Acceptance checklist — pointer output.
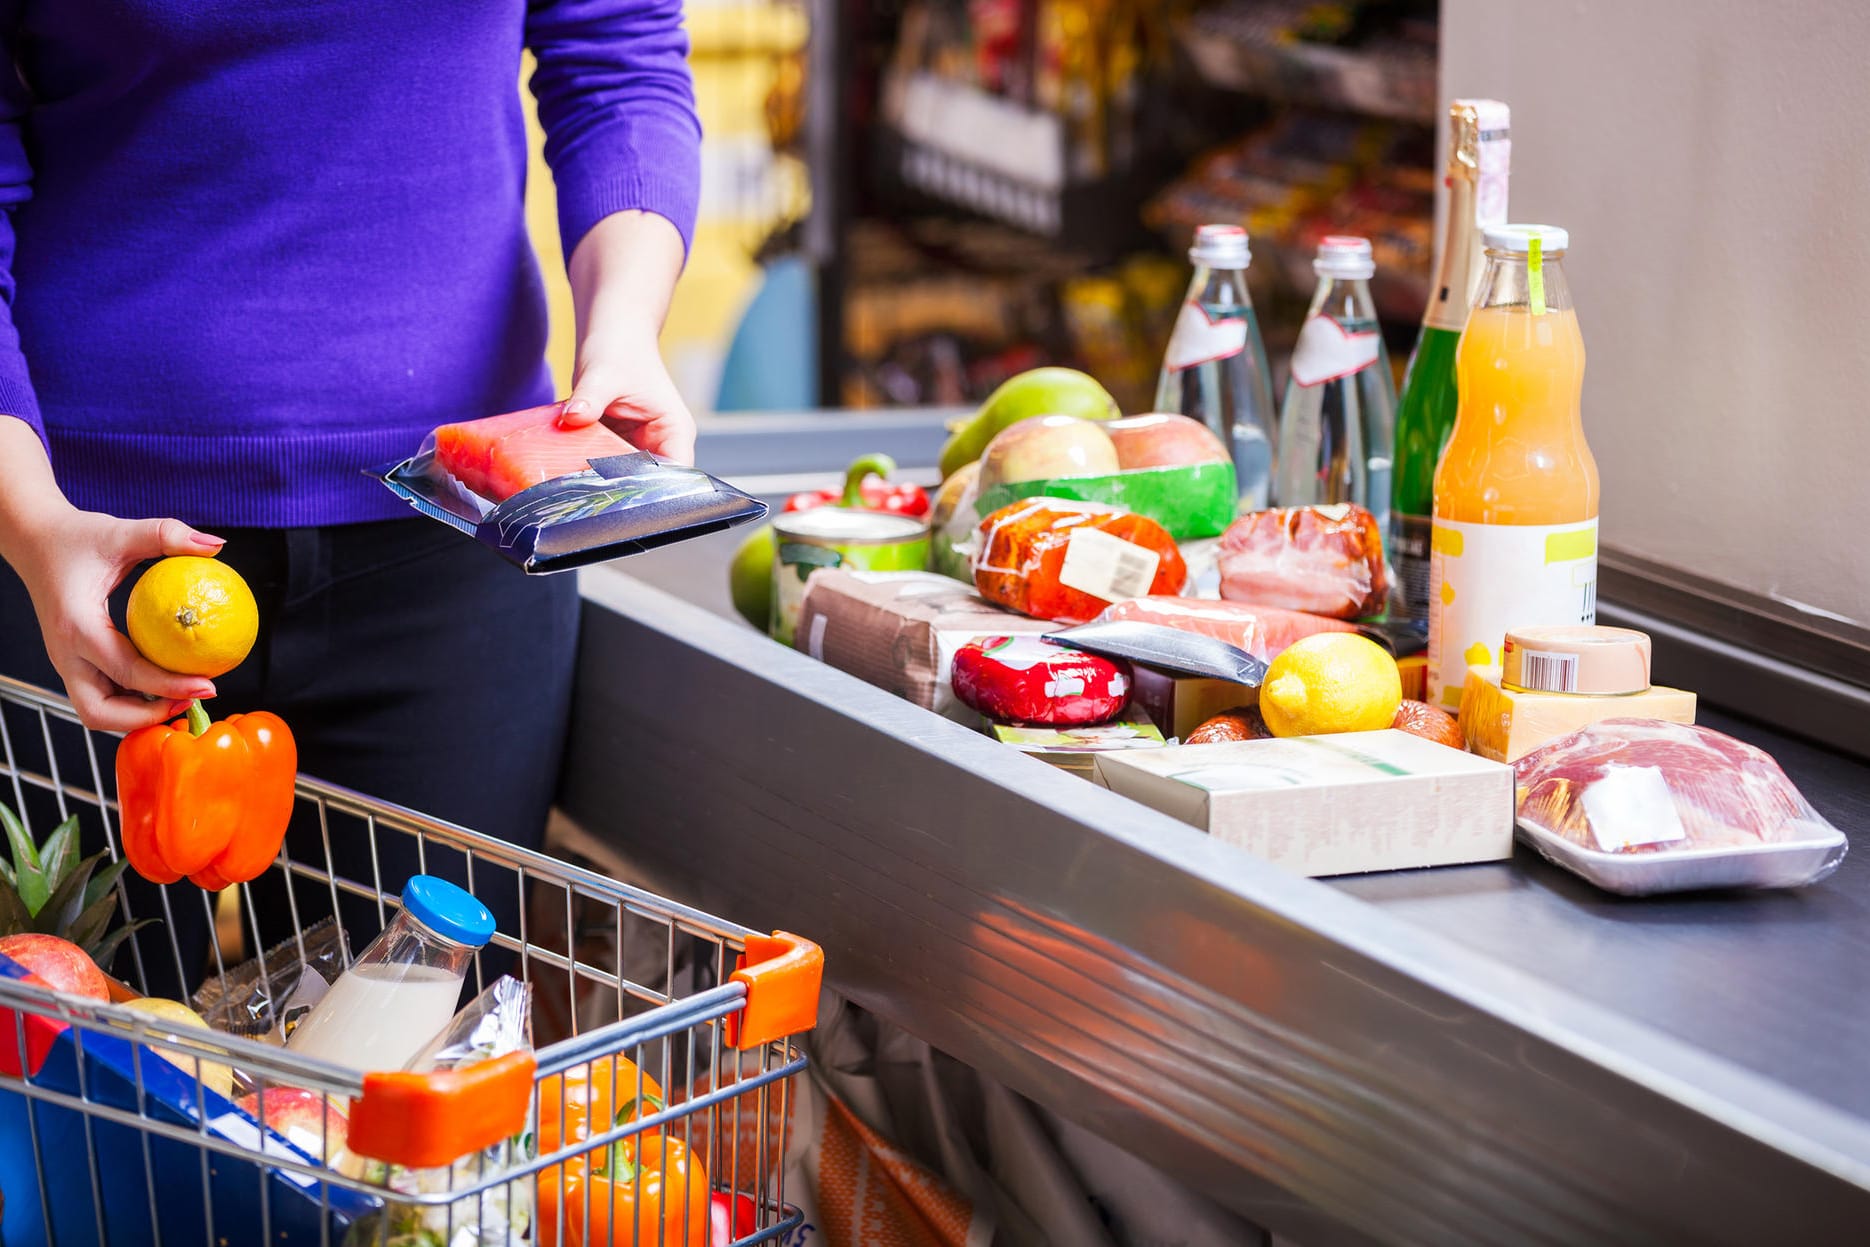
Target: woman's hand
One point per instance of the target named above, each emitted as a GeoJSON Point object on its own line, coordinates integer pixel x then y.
{"type": "Point", "coordinates": [622, 274]}
{"type": "Point", "coordinates": [70, 569]}
{"type": "Point", "coordinates": [71, 561]}
{"type": "Point", "coordinates": [623, 380]}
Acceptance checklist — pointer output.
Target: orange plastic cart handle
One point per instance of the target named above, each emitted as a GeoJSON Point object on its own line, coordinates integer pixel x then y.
{"type": "Point", "coordinates": [782, 974]}
{"type": "Point", "coordinates": [423, 1120]}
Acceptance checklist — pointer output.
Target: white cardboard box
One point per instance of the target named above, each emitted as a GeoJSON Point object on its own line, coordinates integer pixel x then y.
{"type": "Point", "coordinates": [1330, 805]}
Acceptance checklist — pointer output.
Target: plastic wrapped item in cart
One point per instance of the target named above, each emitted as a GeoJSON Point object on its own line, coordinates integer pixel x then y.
{"type": "Point", "coordinates": [1640, 806]}
{"type": "Point", "coordinates": [494, 1023]}
{"type": "Point", "coordinates": [1052, 558]}
{"type": "Point", "coordinates": [1327, 560]}
{"type": "Point", "coordinates": [1025, 679]}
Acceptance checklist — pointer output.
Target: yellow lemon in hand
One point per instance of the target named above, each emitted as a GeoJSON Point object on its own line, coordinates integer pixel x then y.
{"type": "Point", "coordinates": [193, 616]}
{"type": "Point", "coordinates": [1331, 682]}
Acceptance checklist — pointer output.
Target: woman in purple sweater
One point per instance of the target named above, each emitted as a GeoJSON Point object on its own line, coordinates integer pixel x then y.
{"type": "Point", "coordinates": [247, 253]}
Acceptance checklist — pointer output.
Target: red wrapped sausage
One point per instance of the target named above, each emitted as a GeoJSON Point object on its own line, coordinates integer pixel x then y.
{"type": "Point", "coordinates": [1056, 559]}
{"type": "Point", "coordinates": [1326, 560]}
{"type": "Point", "coordinates": [1026, 679]}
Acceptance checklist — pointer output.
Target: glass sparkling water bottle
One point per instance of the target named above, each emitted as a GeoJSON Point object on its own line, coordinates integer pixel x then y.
{"type": "Point", "coordinates": [1337, 425]}
{"type": "Point", "coordinates": [1215, 368]}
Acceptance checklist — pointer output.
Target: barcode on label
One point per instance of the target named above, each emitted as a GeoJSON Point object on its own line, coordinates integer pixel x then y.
{"type": "Point", "coordinates": [1545, 672]}
{"type": "Point", "coordinates": [1107, 567]}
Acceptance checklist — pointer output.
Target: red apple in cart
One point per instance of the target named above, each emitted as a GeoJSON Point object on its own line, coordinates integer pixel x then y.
{"type": "Point", "coordinates": [295, 1115]}
{"type": "Point", "coordinates": [1162, 440]}
{"type": "Point", "coordinates": [731, 1217]}
{"type": "Point", "coordinates": [60, 963]}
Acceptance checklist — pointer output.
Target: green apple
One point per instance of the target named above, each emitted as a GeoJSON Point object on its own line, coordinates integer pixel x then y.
{"type": "Point", "coordinates": [750, 577]}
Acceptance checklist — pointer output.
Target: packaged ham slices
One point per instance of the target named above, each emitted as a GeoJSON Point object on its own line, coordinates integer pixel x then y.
{"type": "Point", "coordinates": [1640, 806]}
{"type": "Point", "coordinates": [1052, 558]}
{"type": "Point", "coordinates": [1325, 560]}
{"type": "Point", "coordinates": [1260, 631]}
{"type": "Point", "coordinates": [549, 498]}
{"type": "Point", "coordinates": [1024, 679]}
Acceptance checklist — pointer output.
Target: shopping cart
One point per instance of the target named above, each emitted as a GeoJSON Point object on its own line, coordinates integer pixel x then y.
{"type": "Point", "coordinates": [105, 1139]}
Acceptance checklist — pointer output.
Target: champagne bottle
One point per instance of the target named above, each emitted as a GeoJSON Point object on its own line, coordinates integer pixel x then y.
{"type": "Point", "coordinates": [1479, 150]}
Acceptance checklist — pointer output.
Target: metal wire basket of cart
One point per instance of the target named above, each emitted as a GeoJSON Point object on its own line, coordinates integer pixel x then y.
{"type": "Point", "coordinates": [660, 1119]}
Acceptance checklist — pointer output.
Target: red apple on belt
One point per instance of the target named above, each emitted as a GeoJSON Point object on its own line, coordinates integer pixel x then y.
{"type": "Point", "coordinates": [1161, 440]}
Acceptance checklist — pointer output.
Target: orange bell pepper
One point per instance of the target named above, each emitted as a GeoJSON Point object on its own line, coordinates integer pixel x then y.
{"type": "Point", "coordinates": [571, 1101]}
{"type": "Point", "coordinates": [207, 800]}
{"type": "Point", "coordinates": [649, 1192]}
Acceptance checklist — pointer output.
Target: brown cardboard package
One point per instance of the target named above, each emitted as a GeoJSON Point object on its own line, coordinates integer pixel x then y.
{"type": "Point", "coordinates": [1330, 805]}
{"type": "Point", "coordinates": [900, 630]}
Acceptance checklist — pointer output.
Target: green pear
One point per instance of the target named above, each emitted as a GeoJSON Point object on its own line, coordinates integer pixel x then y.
{"type": "Point", "coordinates": [1040, 392]}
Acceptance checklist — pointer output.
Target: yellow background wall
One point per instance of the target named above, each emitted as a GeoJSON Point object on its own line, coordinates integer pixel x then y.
{"type": "Point", "coordinates": [746, 190]}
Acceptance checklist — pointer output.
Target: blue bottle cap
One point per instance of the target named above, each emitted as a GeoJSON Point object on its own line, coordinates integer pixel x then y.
{"type": "Point", "coordinates": [449, 911]}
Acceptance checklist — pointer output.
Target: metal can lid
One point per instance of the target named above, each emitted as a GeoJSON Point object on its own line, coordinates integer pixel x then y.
{"type": "Point", "coordinates": [848, 525]}
{"type": "Point", "coordinates": [1585, 659]}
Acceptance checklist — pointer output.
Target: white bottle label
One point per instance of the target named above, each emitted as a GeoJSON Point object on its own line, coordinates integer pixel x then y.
{"type": "Point", "coordinates": [1107, 567]}
{"type": "Point", "coordinates": [1200, 339]}
{"type": "Point", "coordinates": [1327, 351]}
{"type": "Point", "coordinates": [1486, 579]}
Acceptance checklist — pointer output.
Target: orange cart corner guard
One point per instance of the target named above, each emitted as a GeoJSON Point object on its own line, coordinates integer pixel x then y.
{"type": "Point", "coordinates": [424, 1120]}
{"type": "Point", "coordinates": [782, 974]}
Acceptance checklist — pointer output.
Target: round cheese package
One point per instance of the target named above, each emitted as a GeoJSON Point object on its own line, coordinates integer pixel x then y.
{"type": "Point", "coordinates": [1024, 679]}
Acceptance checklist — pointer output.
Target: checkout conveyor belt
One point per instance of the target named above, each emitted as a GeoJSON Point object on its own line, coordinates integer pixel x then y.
{"type": "Point", "coordinates": [1487, 1054]}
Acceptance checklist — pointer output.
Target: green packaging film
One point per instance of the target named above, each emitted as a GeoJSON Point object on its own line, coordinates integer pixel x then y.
{"type": "Point", "coordinates": [1191, 501]}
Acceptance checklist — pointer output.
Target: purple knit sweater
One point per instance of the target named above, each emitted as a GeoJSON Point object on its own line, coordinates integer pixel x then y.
{"type": "Point", "coordinates": [250, 249]}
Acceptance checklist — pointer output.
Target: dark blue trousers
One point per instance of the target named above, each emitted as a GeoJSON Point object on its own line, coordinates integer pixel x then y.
{"type": "Point", "coordinates": [412, 665]}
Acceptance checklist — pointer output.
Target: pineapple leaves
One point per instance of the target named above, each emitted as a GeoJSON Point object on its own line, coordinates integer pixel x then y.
{"type": "Point", "coordinates": [25, 852]}
{"type": "Point", "coordinates": [15, 919]}
{"type": "Point", "coordinates": [62, 908]}
{"type": "Point", "coordinates": [59, 854]}
{"type": "Point", "coordinates": [106, 950]}
{"type": "Point", "coordinates": [29, 879]}
{"type": "Point", "coordinates": [104, 881]}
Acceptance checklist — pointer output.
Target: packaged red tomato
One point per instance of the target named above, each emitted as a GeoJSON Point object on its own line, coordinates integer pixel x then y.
{"type": "Point", "coordinates": [1025, 679]}
{"type": "Point", "coordinates": [1056, 559]}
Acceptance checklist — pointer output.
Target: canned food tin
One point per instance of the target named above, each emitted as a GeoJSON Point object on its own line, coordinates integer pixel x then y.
{"type": "Point", "coordinates": [838, 537]}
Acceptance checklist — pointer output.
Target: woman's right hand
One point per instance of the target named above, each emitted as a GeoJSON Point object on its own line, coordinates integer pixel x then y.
{"type": "Point", "coordinates": [71, 562]}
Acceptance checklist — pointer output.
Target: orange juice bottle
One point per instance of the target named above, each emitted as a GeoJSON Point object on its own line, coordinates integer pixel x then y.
{"type": "Point", "coordinates": [1514, 542]}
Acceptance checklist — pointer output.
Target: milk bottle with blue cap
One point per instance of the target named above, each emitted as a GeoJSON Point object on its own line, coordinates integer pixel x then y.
{"type": "Point", "coordinates": [404, 988]}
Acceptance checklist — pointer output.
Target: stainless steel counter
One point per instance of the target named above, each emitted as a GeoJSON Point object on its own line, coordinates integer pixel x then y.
{"type": "Point", "coordinates": [1491, 1054]}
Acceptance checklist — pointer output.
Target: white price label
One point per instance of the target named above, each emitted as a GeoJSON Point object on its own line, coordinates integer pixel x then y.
{"type": "Point", "coordinates": [1107, 567]}
{"type": "Point", "coordinates": [1631, 806]}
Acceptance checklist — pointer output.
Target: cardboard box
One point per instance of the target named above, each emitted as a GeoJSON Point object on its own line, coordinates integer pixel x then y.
{"type": "Point", "coordinates": [900, 630]}
{"type": "Point", "coordinates": [1330, 805]}
{"type": "Point", "coordinates": [1180, 704]}
{"type": "Point", "coordinates": [1076, 749]}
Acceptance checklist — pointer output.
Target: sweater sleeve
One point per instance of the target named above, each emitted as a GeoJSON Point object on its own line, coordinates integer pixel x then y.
{"type": "Point", "coordinates": [617, 105]}
{"type": "Point", "coordinates": [16, 392]}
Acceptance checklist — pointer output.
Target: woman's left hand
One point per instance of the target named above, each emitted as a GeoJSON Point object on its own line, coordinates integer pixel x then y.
{"type": "Point", "coordinates": [622, 274]}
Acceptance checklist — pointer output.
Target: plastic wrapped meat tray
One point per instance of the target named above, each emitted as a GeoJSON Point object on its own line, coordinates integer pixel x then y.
{"type": "Point", "coordinates": [1640, 806]}
{"type": "Point", "coordinates": [1325, 560]}
{"type": "Point", "coordinates": [536, 495]}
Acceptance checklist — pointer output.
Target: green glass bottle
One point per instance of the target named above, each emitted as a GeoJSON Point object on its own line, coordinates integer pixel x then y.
{"type": "Point", "coordinates": [1479, 150]}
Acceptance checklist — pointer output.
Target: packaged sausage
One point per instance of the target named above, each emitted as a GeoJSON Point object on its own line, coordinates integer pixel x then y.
{"type": "Point", "coordinates": [1024, 679]}
{"type": "Point", "coordinates": [1240, 723]}
{"type": "Point", "coordinates": [1640, 806]}
{"type": "Point", "coordinates": [1066, 561]}
{"type": "Point", "coordinates": [1261, 631]}
{"type": "Point", "coordinates": [1327, 560]}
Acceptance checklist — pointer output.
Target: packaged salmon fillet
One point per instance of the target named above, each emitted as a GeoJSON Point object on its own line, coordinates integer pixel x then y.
{"type": "Point", "coordinates": [1052, 558]}
{"type": "Point", "coordinates": [549, 498]}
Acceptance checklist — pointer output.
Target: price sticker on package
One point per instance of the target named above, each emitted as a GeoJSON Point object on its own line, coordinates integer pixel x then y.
{"type": "Point", "coordinates": [1630, 807]}
{"type": "Point", "coordinates": [1107, 567]}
